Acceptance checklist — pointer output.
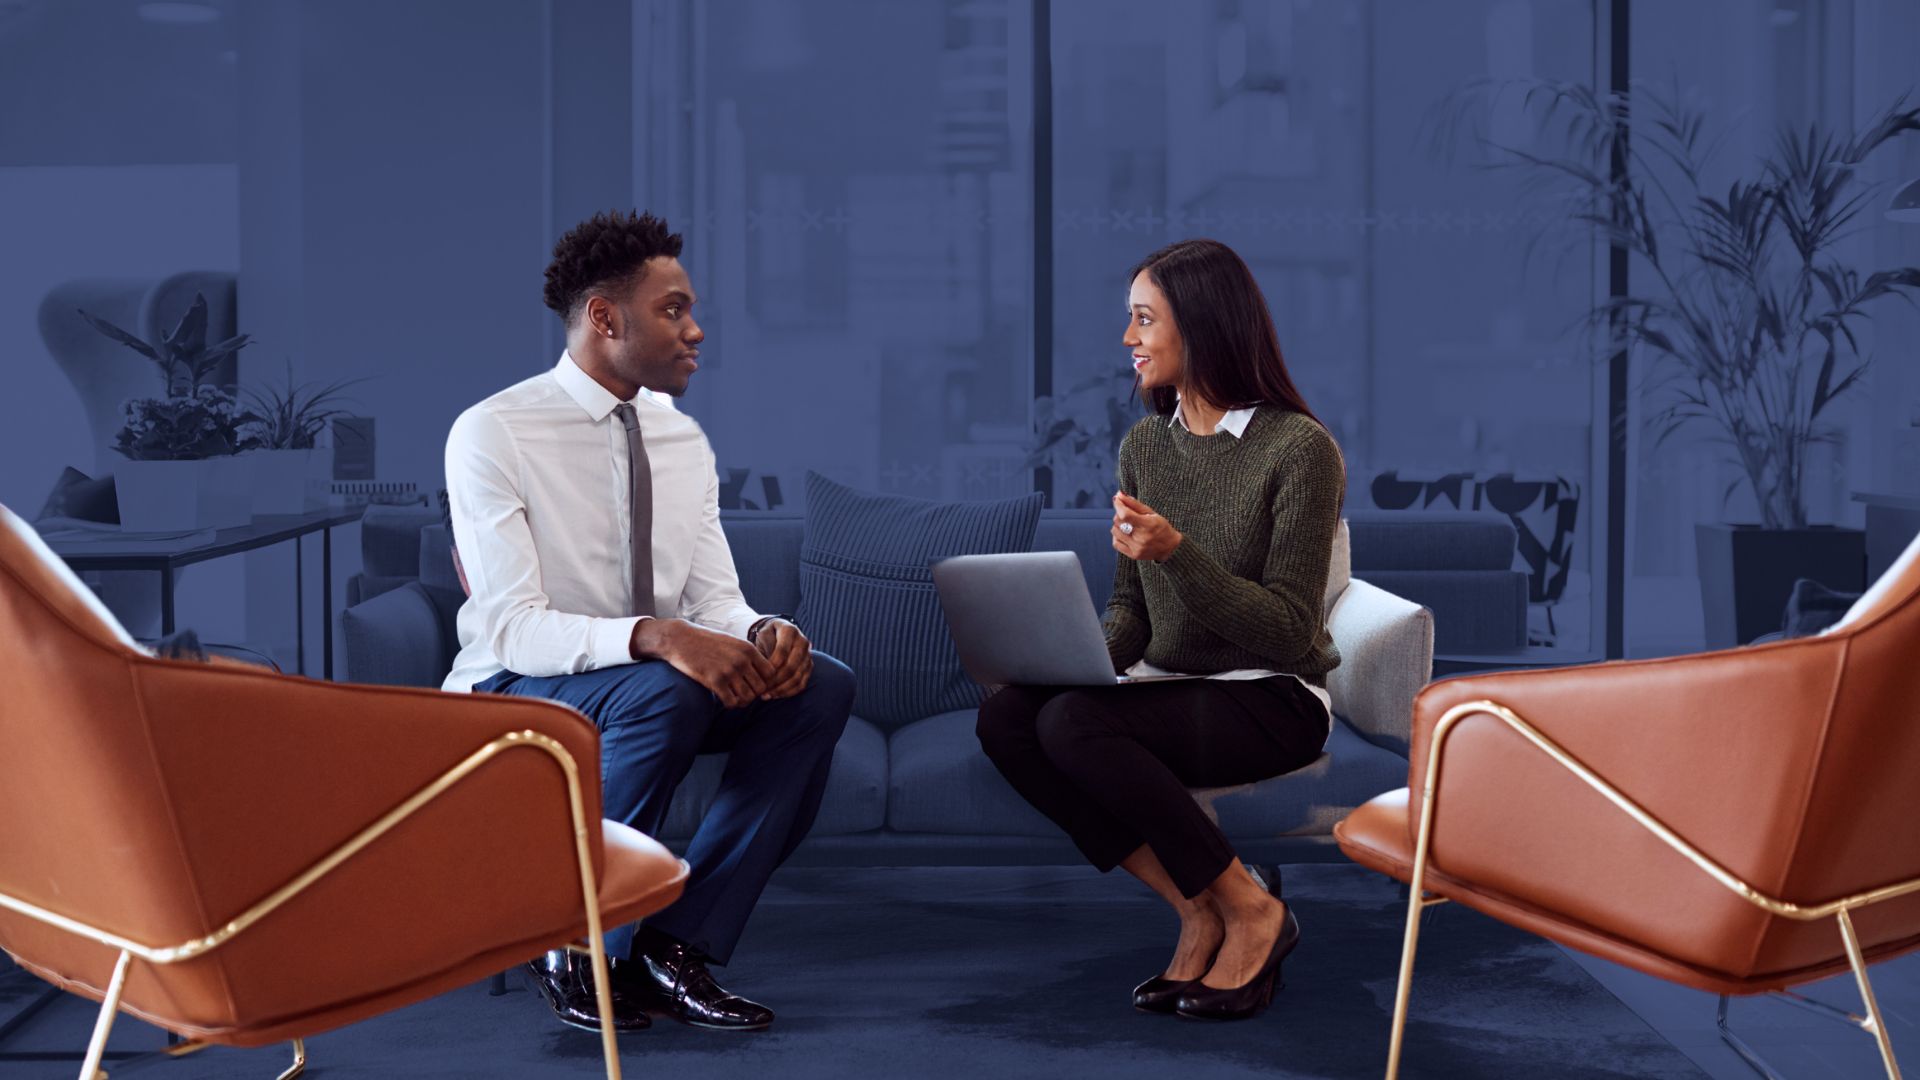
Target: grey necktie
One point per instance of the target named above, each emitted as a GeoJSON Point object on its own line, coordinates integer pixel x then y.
{"type": "Point", "coordinates": [640, 488]}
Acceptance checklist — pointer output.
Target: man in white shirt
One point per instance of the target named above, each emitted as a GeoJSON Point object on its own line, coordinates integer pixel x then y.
{"type": "Point", "coordinates": [586, 522]}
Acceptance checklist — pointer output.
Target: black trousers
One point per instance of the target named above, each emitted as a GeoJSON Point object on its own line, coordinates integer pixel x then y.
{"type": "Point", "coordinates": [1111, 765]}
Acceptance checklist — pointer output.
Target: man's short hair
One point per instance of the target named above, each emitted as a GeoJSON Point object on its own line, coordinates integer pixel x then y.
{"type": "Point", "coordinates": [605, 255]}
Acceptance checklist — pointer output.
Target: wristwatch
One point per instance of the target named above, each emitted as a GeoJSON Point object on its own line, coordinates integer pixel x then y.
{"type": "Point", "coordinates": [754, 630]}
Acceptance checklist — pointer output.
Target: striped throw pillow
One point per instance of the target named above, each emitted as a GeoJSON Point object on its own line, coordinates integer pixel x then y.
{"type": "Point", "coordinates": [867, 597]}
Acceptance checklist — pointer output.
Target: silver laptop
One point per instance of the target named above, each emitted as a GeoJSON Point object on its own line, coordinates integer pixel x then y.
{"type": "Point", "coordinates": [1027, 618]}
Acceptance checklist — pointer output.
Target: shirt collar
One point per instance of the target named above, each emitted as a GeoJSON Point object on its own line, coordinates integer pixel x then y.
{"type": "Point", "coordinates": [597, 400]}
{"type": "Point", "coordinates": [1233, 422]}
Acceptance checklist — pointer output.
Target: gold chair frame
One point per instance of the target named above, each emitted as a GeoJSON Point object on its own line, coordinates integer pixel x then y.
{"type": "Point", "coordinates": [1841, 910]}
{"type": "Point", "coordinates": [129, 950]}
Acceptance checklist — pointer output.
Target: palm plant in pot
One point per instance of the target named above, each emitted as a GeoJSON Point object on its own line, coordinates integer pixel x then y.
{"type": "Point", "coordinates": [1743, 311]}
{"type": "Point", "coordinates": [287, 422]}
{"type": "Point", "coordinates": [182, 471]}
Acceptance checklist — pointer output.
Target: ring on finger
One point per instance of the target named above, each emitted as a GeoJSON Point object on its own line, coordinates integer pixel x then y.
{"type": "Point", "coordinates": [1127, 527]}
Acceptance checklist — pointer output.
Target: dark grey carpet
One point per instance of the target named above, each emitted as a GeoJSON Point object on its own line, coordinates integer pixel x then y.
{"type": "Point", "coordinates": [1015, 972]}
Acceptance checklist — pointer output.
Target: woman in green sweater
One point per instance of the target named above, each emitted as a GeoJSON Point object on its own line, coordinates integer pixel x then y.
{"type": "Point", "coordinates": [1229, 500]}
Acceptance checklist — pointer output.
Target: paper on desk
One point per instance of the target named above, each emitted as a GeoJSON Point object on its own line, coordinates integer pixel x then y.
{"type": "Point", "coordinates": [71, 530]}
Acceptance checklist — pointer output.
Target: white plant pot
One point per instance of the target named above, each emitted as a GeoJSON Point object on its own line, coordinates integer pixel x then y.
{"type": "Point", "coordinates": [174, 496]}
{"type": "Point", "coordinates": [280, 480]}
{"type": "Point", "coordinates": [320, 477]}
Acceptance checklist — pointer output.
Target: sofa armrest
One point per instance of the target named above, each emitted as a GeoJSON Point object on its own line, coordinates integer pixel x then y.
{"type": "Point", "coordinates": [398, 638]}
{"type": "Point", "coordinates": [1386, 656]}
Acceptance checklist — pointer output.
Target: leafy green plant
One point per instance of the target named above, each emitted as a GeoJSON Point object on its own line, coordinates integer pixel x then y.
{"type": "Point", "coordinates": [206, 423]}
{"type": "Point", "coordinates": [183, 356]}
{"type": "Point", "coordinates": [1077, 434]}
{"type": "Point", "coordinates": [291, 417]}
{"type": "Point", "coordinates": [1748, 317]}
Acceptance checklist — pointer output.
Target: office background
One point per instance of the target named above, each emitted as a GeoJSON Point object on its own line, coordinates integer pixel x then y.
{"type": "Point", "coordinates": [910, 224]}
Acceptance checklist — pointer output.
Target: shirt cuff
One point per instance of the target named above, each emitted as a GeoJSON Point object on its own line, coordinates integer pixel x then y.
{"type": "Point", "coordinates": [611, 641]}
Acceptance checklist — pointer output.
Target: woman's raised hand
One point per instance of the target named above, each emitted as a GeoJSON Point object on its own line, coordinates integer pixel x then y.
{"type": "Point", "coordinates": [1139, 533]}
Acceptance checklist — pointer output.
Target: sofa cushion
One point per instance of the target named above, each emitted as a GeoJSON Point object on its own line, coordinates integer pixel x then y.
{"type": "Point", "coordinates": [1441, 540]}
{"type": "Point", "coordinates": [1310, 801]}
{"type": "Point", "coordinates": [766, 556]}
{"type": "Point", "coordinates": [390, 540]}
{"type": "Point", "coordinates": [867, 596]}
{"type": "Point", "coordinates": [854, 801]}
{"type": "Point", "coordinates": [1475, 611]}
{"type": "Point", "coordinates": [436, 560]}
{"type": "Point", "coordinates": [940, 781]}
{"type": "Point", "coordinates": [403, 637]}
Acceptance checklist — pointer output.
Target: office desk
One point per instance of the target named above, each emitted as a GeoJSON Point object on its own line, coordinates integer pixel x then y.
{"type": "Point", "coordinates": [166, 556]}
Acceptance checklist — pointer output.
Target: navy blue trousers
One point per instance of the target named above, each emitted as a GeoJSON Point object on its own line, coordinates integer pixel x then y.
{"type": "Point", "coordinates": [653, 721]}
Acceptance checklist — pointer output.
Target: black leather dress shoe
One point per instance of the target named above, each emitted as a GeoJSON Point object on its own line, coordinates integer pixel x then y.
{"type": "Point", "coordinates": [672, 978]}
{"type": "Point", "coordinates": [565, 982]}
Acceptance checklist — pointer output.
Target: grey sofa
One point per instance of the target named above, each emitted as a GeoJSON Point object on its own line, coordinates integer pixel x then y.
{"type": "Point", "coordinates": [922, 793]}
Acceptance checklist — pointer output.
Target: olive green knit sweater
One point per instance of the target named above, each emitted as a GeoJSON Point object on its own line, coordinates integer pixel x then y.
{"type": "Point", "coordinates": [1246, 586]}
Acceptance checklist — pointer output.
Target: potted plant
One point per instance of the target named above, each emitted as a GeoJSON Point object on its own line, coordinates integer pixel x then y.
{"type": "Point", "coordinates": [184, 358]}
{"type": "Point", "coordinates": [1078, 434]}
{"type": "Point", "coordinates": [182, 471]}
{"type": "Point", "coordinates": [1743, 309]}
{"type": "Point", "coordinates": [287, 423]}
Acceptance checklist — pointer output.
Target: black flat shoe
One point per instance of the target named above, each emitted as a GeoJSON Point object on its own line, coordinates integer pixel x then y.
{"type": "Point", "coordinates": [565, 983]}
{"type": "Point", "coordinates": [1161, 994]}
{"type": "Point", "coordinates": [672, 978]}
{"type": "Point", "coordinates": [1203, 1002]}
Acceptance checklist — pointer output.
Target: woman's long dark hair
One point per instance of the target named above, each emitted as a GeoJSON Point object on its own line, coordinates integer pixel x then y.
{"type": "Point", "coordinates": [1233, 355]}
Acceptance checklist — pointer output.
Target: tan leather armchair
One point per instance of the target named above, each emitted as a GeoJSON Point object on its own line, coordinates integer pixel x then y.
{"type": "Point", "coordinates": [1738, 822]}
{"type": "Point", "coordinates": [241, 857]}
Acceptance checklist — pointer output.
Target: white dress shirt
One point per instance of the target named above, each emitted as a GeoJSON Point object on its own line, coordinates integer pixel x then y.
{"type": "Point", "coordinates": [537, 486]}
{"type": "Point", "coordinates": [1234, 423]}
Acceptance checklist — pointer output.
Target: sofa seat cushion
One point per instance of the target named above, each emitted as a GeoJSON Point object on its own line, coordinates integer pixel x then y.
{"type": "Point", "coordinates": [940, 781]}
{"type": "Point", "coordinates": [854, 802]}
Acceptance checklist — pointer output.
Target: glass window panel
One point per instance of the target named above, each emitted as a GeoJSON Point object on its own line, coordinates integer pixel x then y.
{"type": "Point", "coordinates": [861, 237]}
{"type": "Point", "coordinates": [1301, 133]}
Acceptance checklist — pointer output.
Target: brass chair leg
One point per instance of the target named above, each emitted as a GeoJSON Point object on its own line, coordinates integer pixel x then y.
{"type": "Point", "coordinates": [1417, 911]}
{"type": "Point", "coordinates": [1405, 985]}
{"type": "Point", "coordinates": [603, 997]}
{"type": "Point", "coordinates": [1876, 1023]}
{"type": "Point", "coordinates": [97, 1046]}
{"type": "Point", "coordinates": [590, 899]}
{"type": "Point", "coordinates": [1417, 903]}
{"type": "Point", "coordinates": [1873, 1023]}
{"type": "Point", "coordinates": [299, 1061]}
